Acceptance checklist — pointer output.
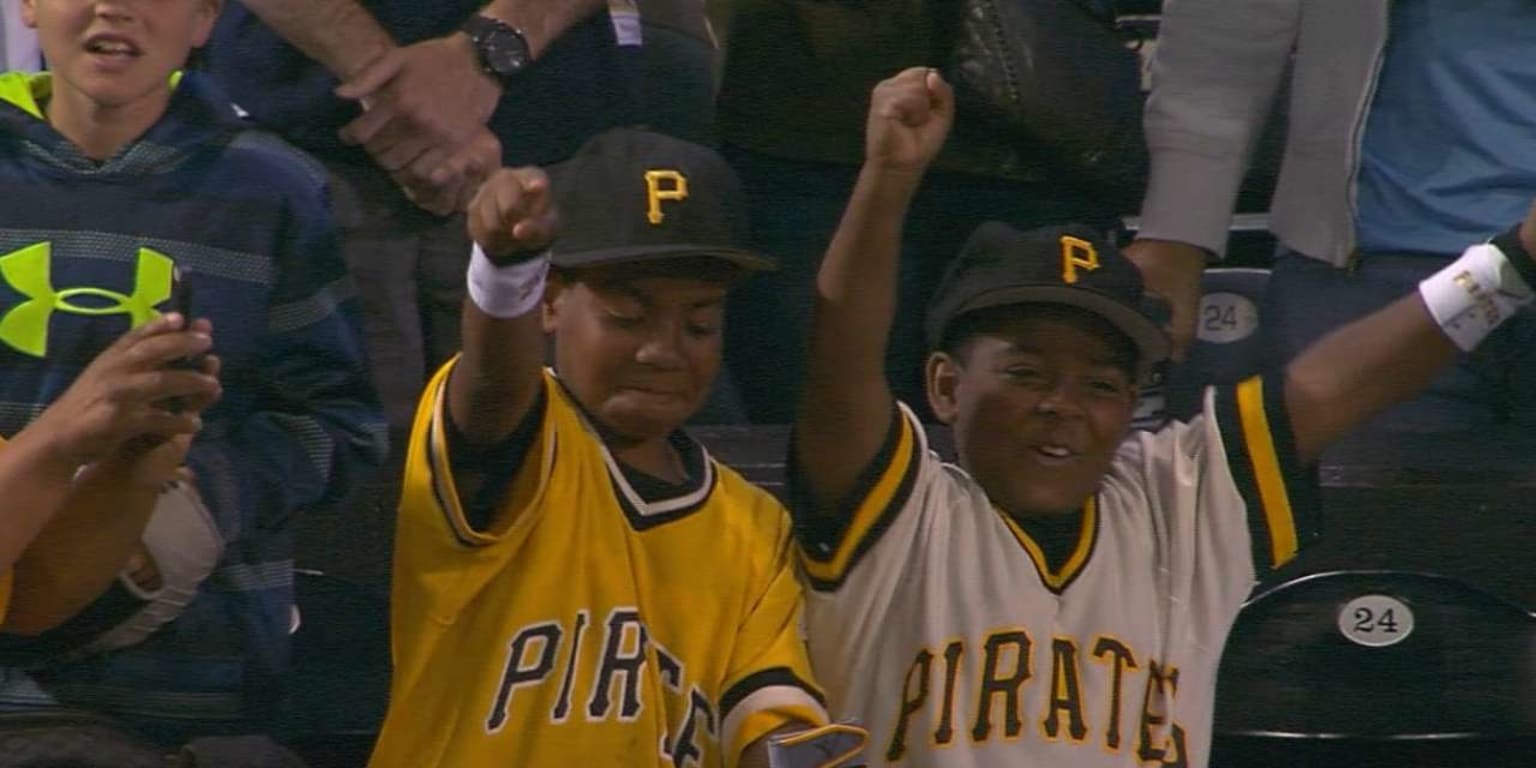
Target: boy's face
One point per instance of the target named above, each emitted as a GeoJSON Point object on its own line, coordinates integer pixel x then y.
{"type": "Point", "coordinates": [1040, 401]}
{"type": "Point", "coordinates": [638, 346]}
{"type": "Point", "coordinates": [118, 52]}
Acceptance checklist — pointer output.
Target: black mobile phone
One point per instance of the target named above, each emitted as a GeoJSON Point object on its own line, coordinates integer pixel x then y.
{"type": "Point", "coordinates": [181, 302]}
{"type": "Point", "coordinates": [181, 294]}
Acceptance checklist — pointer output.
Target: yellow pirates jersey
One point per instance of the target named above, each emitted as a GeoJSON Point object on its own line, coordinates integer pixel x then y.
{"type": "Point", "coordinates": [936, 620]}
{"type": "Point", "coordinates": [588, 624]}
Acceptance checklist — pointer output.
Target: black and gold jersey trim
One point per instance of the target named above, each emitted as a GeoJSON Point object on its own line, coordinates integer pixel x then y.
{"type": "Point", "coordinates": [1087, 541]}
{"type": "Point", "coordinates": [831, 545]}
{"type": "Point", "coordinates": [645, 501]}
{"type": "Point", "coordinates": [1280, 495]}
{"type": "Point", "coordinates": [495, 466]}
{"type": "Point", "coordinates": [461, 522]}
{"type": "Point", "coordinates": [444, 491]}
{"type": "Point", "coordinates": [766, 678]}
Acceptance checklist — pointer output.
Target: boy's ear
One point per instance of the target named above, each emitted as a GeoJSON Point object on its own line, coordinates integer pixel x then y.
{"type": "Point", "coordinates": [29, 13]}
{"type": "Point", "coordinates": [207, 16]}
{"type": "Point", "coordinates": [549, 309]}
{"type": "Point", "coordinates": [943, 381]}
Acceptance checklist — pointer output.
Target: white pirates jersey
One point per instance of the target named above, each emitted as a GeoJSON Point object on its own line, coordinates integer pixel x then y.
{"type": "Point", "coordinates": [936, 621]}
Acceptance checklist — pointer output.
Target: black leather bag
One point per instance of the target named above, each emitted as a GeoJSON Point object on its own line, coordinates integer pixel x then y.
{"type": "Point", "coordinates": [1056, 76]}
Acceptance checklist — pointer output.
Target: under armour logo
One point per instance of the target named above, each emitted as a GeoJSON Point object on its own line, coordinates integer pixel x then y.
{"type": "Point", "coordinates": [655, 192]}
{"type": "Point", "coordinates": [29, 272]}
{"type": "Point", "coordinates": [1075, 254]}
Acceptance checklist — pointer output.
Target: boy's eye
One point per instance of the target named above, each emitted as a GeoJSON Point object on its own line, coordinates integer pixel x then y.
{"type": "Point", "coordinates": [703, 322]}
{"type": "Point", "coordinates": [1022, 372]}
{"type": "Point", "coordinates": [625, 319]}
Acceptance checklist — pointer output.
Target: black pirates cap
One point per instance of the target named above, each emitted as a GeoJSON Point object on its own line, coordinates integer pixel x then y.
{"type": "Point", "coordinates": [630, 195]}
{"type": "Point", "coordinates": [1072, 265]}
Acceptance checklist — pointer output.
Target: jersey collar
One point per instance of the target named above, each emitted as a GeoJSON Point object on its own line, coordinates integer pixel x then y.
{"type": "Point", "coordinates": [648, 501]}
{"type": "Point", "coordinates": [1057, 581]}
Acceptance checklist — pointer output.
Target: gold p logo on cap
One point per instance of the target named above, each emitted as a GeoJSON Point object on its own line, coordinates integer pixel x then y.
{"type": "Point", "coordinates": [1076, 253]}
{"type": "Point", "coordinates": [663, 185]}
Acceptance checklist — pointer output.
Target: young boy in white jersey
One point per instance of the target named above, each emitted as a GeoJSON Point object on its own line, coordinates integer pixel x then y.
{"type": "Point", "coordinates": [1061, 596]}
{"type": "Point", "coordinates": [577, 582]}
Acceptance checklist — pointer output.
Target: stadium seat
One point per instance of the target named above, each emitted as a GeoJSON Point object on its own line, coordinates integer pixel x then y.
{"type": "Point", "coordinates": [1377, 667]}
{"type": "Point", "coordinates": [339, 680]}
{"type": "Point", "coordinates": [1228, 347]}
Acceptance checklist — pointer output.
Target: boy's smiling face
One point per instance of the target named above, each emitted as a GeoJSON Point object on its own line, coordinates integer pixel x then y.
{"type": "Point", "coordinates": [1040, 398]}
{"type": "Point", "coordinates": [118, 54]}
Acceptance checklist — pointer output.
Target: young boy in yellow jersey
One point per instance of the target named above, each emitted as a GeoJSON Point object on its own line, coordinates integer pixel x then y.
{"type": "Point", "coordinates": [577, 582]}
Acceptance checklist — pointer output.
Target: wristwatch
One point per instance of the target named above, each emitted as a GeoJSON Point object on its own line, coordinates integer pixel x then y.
{"type": "Point", "coordinates": [501, 47]}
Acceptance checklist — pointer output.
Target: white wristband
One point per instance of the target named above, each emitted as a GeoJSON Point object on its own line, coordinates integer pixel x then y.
{"type": "Point", "coordinates": [506, 292]}
{"type": "Point", "coordinates": [1474, 295]}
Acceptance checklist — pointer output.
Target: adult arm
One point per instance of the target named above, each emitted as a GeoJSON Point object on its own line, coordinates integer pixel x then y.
{"type": "Point", "coordinates": [1217, 68]}
{"type": "Point", "coordinates": [1214, 76]}
{"type": "Point", "coordinates": [427, 104]}
{"type": "Point", "coordinates": [341, 34]}
{"type": "Point", "coordinates": [1375, 362]}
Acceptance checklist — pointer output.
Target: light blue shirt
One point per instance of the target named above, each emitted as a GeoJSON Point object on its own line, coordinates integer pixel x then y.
{"type": "Point", "coordinates": [1449, 152]}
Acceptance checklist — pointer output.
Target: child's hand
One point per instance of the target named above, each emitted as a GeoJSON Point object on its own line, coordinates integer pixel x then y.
{"type": "Point", "coordinates": [124, 394]}
{"type": "Point", "coordinates": [512, 216]}
{"type": "Point", "coordinates": [909, 119]}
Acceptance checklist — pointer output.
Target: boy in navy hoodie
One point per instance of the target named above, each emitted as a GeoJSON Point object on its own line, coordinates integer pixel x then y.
{"type": "Point", "coordinates": [118, 172]}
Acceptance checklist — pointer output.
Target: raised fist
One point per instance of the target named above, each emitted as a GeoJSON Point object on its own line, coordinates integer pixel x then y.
{"type": "Point", "coordinates": [512, 217]}
{"type": "Point", "coordinates": [909, 118]}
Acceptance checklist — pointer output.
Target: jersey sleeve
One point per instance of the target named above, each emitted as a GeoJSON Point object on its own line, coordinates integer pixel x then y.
{"type": "Point", "coordinates": [768, 682]}
{"type": "Point", "coordinates": [833, 542]}
{"type": "Point", "coordinates": [432, 510]}
{"type": "Point", "coordinates": [1220, 501]}
{"type": "Point", "coordinates": [1229, 501]}
{"type": "Point", "coordinates": [1279, 495]}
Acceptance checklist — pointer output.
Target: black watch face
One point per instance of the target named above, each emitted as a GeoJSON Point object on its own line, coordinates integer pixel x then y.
{"type": "Point", "coordinates": [505, 52]}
